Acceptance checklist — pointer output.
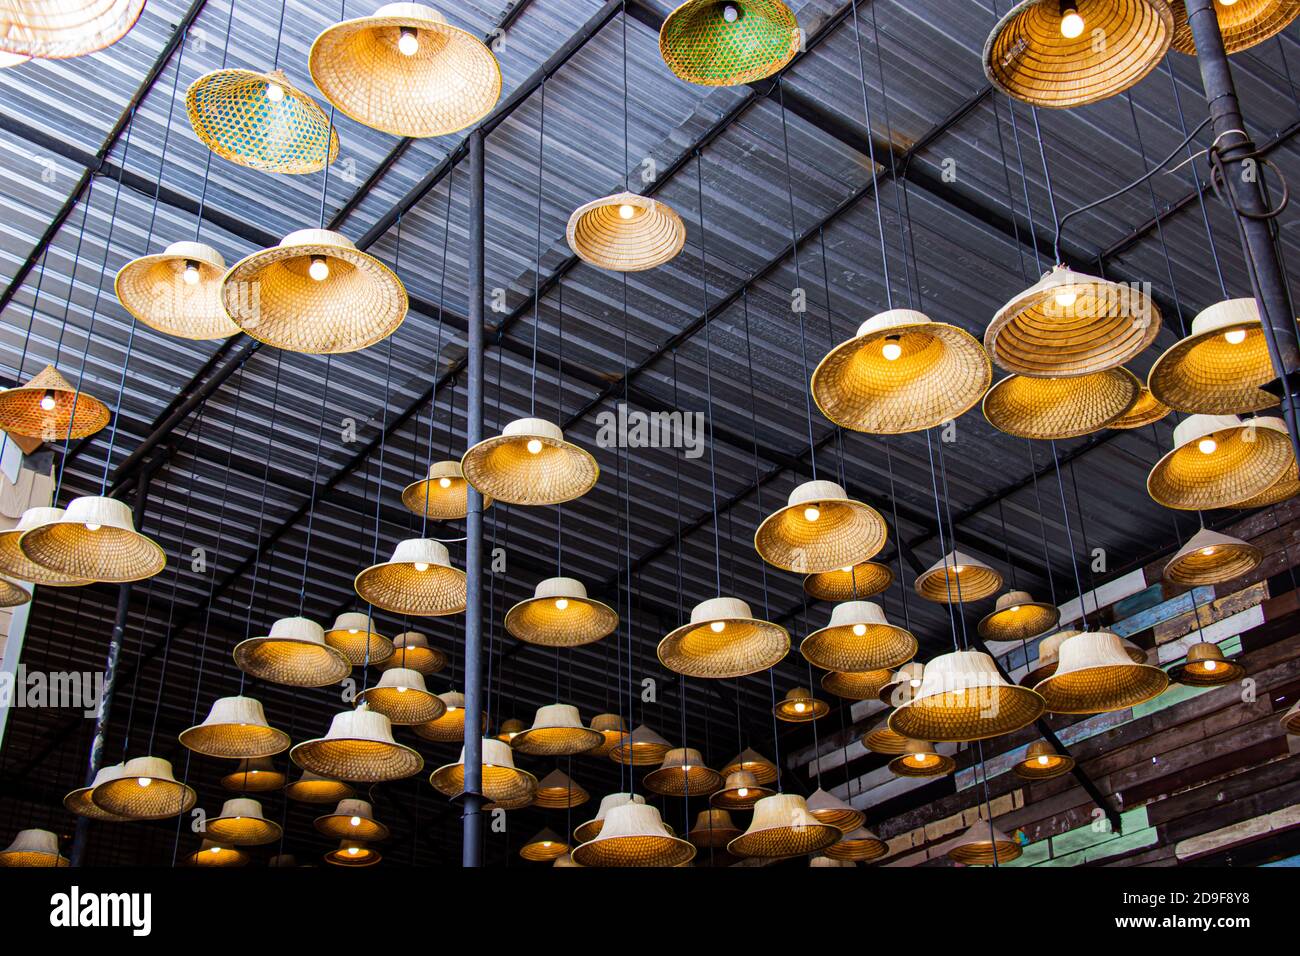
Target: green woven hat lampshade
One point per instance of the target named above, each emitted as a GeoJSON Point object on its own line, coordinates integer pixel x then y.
{"type": "Point", "coordinates": [713, 43]}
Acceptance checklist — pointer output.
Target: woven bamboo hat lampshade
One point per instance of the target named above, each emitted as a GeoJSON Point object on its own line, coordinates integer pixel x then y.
{"type": "Point", "coordinates": [16, 565]}
{"type": "Point", "coordinates": [294, 652]}
{"type": "Point", "coordinates": [1243, 23]}
{"type": "Point", "coordinates": [1069, 323]}
{"type": "Point", "coordinates": [353, 853]}
{"type": "Point", "coordinates": [820, 529]}
{"type": "Point", "coordinates": [315, 788]}
{"type": "Point", "coordinates": [559, 614]}
{"type": "Point", "coordinates": [859, 845]}
{"type": "Point", "coordinates": [33, 848]}
{"type": "Point", "coordinates": [750, 760]}
{"type": "Point", "coordinates": [856, 685]}
{"type": "Point", "coordinates": [633, 834]}
{"type": "Point", "coordinates": [902, 684]}
{"type": "Point", "coordinates": [504, 784]}
{"type": "Point", "coordinates": [1043, 52]}
{"type": "Point", "coordinates": [95, 539]}
{"type": "Point", "coordinates": [49, 408]}
{"type": "Point", "coordinates": [241, 823]}
{"type": "Point", "coordinates": [881, 740]}
{"type": "Point", "coordinates": [355, 637]}
{"type": "Point", "coordinates": [1206, 666]}
{"type": "Point", "coordinates": [729, 43]}
{"type": "Point", "coordinates": [214, 854]}
{"type": "Point", "coordinates": [1291, 719]}
{"type": "Point", "coordinates": [584, 832]}
{"type": "Point", "coordinates": [450, 727]}
{"type": "Point", "coordinates": [1045, 666]}
{"type": "Point", "coordinates": [1145, 411]}
{"type": "Point", "coordinates": [1094, 674]}
{"type": "Point", "coordinates": [352, 820]}
{"type": "Point", "coordinates": [315, 292]}
{"type": "Point", "coordinates": [625, 232]}
{"type": "Point", "coordinates": [404, 70]}
{"type": "Point", "coordinates": [510, 728]}
{"type": "Point", "coordinates": [683, 774]}
{"type": "Point", "coordinates": [1042, 762]}
{"type": "Point", "coordinates": [411, 650]}
{"type": "Point", "coordinates": [545, 846]}
{"type": "Point", "coordinates": [146, 789]}
{"type": "Point", "coordinates": [262, 121]}
{"type": "Point", "coordinates": [530, 463]}
{"type": "Point", "coordinates": [11, 59]}
{"type": "Point", "coordinates": [1059, 408]}
{"type": "Point", "coordinates": [964, 697]}
{"type": "Point", "coordinates": [831, 809]}
{"type": "Point", "coordinates": [1219, 368]}
{"type": "Point", "coordinates": [920, 759]}
{"type": "Point", "coordinates": [901, 373]}
{"type": "Point", "coordinates": [713, 829]}
{"type": "Point", "coordinates": [800, 706]}
{"type": "Point", "coordinates": [957, 577]}
{"type": "Point", "coordinates": [740, 791]}
{"type": "Point", "coordinates": [850, 583]}
{"type": "Point", "coordinates": [178, 292]}
{"type": "Point", "coordinates": [254, 775]}
{"type": "Point", "coordinates": [403, 698]}
{"type": "Point", "coordinates": [782, 827]}
{"type": "Point", "coordinates": [1218, 461]}
{"type": "Point", "coordinates": [557, 730]}
{"type": "Point", "coordinates": [982, 846]}
{"type": "Point", "coordinates": [1018, 617]}
{"type": "Point", "coordinates": [612, 728]}
{"type": "Point", "coordinates": [417, 580]}
{"type": "Point", "coordinates": [723, 639]}
{"type": "Point", "coordinates": [566, 860]}
{"type": "Point", "coordinates": [235, 727]}
{"type": "Point", "coordinates": [558, 791]}
{"type": "Point", "coordinates": [858, 638]}
{"type": "Point", "coordinates": [60, 29]}
{"type": "Point", "coordinates": [1209, 557]}
{"type": "Point", "coordinates": [358, 746]}
{"type": "Point", "coordinates": [11, 594]}
{"type": "Point", "coordinates": [442, 495]}
{"type": "Point", "coordinates": [80, 803]}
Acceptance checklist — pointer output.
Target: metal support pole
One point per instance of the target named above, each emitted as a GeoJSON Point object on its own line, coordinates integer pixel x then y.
{"type": "Point", "coordinates": [1244, 186]}
{"type": "Point", "coordinates": [472, 850]}
{"type": "Point", "coordinates": [104, 707]}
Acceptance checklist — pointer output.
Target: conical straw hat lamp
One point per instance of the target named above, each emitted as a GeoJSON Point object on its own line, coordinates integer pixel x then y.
{"type": "Point", "coordinates": [262, 121]}
{"type": "Point", "coordinates": [1210, 558]}
{"type": "Point", "coordinates": [504, 785]}
{"type": "Point", "coordinates": [1285, 488]}
{"type": "Point", "coordinates": [740, 791]}
{"type": "Point", "coordinates": [50, 409]}
{"type": "Point", "coordinates": [1291, 719]}
{"type": "Point", "coordinates": [831, 809]}
{"type": "Point", "coordinates": [1219, 368]}
{"type": "Point", "coordinates": [982, 846]}
{"type": "Point", "coordinates": [957, 577]}
{"type": "Point", "coordinates": [901, 373]}
{"type": "Point", "coordinates": [16, 565]}
{"type": "Point", "coordinates": [750, 760]}
{"type": "Point", "coordinates": [713, 829]}
{"type": "Point", "coordinates": [442, 495]}
{"type": "Point", "coordinates": [800, 706]}
{"type": "Point", "coordinates": [352, 820]}
{"type": "Point", "coordinates": [1048, 649]}
{"type": "Point", "coordinates": [354, 636]}
{"type": "Point", "coordinates": [450, 727]}
{"type": "Point", "coordinates": [530, 463]}
{"type": "Point", "coordinates": [633, 834]}
{"type": "Point", "coordinates": [683, 774]}
{"type": "Point", "coordinates": [314, 788]}
{"type": "Point", "coordinates": [1243, 23]}
{"type": "Point", "coordinates": [411, 650]}
{"type": "Point", "coordinates": [558, 791]}
{"type": "Point", "coordinates": [1070, 324]}
{"type": "Point", "coordinates": [625, 232]}
{"type": "Point", "coordinates": [820, 529]}
{"type": "Point", "coordinates": [146, 789]}
{"type": "Point", "coordinates": [33, 848]}
{"type": "Point", "coordinates": [178, 292]}
{"type": "Point", "coordinates": [1145, 411]}
{"type": "Point", "coordinates": [858, 638]}
{"type": "Point", "coordinates": [1206, 666]}
{"type": "Point", "coordinates": [559, 614]}
{"type": "Point", "coordinates": [254, 775]}
{"type": "Point", "coordinates": [882, 740]}
{"type": "Point", "coordinates": [1056, 408]}
{"type": "Point", "coordinates": [850, 583]}
{"type": "Point", "coordinates": [1018, 617]}
{"type": "Point", "coordinates": [545, 846]}
{"type": "Point", "coordinates": [729, 43]}
{"type": "Point", "coordinates": [1218, 461]}
{"type": "Point", "coordinates": [510, 729]}
{"type": "Point", "coordinates": [358, 746]}
{"type": "Point", "coordinates": [566, 860]}
{"type": "Point", "coordinates": [95, 539]}
{"type": "Point", "coordinates": [80, 801]}
{"type": "Point", "coordinates": [1044, 52]}
{"type": "Point", "coordinates": [316, 293]}
{"type": "Point", "coordinates": [856, 685]}
{"type": "Point", "coordinates": [402, 697]}
{"type": "Point", "coordinates": [591, 828]}
{"type": "Point", "coordinates": [920, 759]}
{"type": "Point", "coordinates": [857, 846]}
{"type": "Point", "coordinates": [902, 684]}
{"type": "Point", "coordinates": [418, 580]}
{"type": "Point", "coordinates": [723, 639]}
{"type": "Point", "coordinates": [1095, 674]}
{"type": "Point", "coordinates": [353, 853]}
{"type": "Point", "coordinates": [293, 653]}
{"type": "Point", "coordinates": [241, 823]}
{"type": "Point", "coordinates": [782, 827]}
{"type": "Point", "coordinates": [214, 854]}
{"type": "Point", "coordinates": [612, 728]}
{"type": "Point", "coordinates": [557, 731]}
{"type": "Point", "coordinates": [12, 595]}
{"type": "Point", "coordinates": [405, 71]}
{"type": "Point", "coordinates": [1042, 762]}
{"type": "Point", "coordinates": [60, 29]}
{"type": "Point", "coordinates": [964, 697]}
{"type": "Point", "coordinates": [235, 727]}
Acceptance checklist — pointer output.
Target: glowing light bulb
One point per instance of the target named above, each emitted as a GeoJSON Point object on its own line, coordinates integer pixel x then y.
{"type": "Point", "coordinates": [717, 626]}
{"type": "Point", "coordinates": [1066, 298]}
{"type": "Point", "coordinates": [1207, 551]}
{"type": "Point", "coordinates": [274, 92]}
{"type": "Point", "coordinates": [811, 513]}
{"type": "Point", "coordinates": [353, 851]}
{"type": "Point", "coordinates": [143, 781]}
{"type": "Point", "coordinates": [352, 630]}
{"type": "Point", "coordinates": [800, 707]}
{"type": "Point", "coordinates": [93, 527]}
{"type": "Point", "coordinates": [626, 211]}
{"type": "Point", "coordinates": [534, 446]}
{"type": "Point", "coordinates": [921, 758]}
{"type": "Point", "coordinates": [47, 401]}
{"type": "Point", "coordinates": [730, 13]}
{"type": "Point", "coordinates": [1071, 22]}
{"type": "Point", "coordinates": [915, 682]}
{"type": "Point", "coordinates": [1207, 446]}
{"type": "Point", "coordinates": [1234, 336]}
{"type": "Point", "coordinates": [355, 821]}
{"type": "Point", "coordinates": [408, 44]}
{"type": "Point", "coordinates": [1015, 608]}
{"type": "Point", "coordinates": [859, 630]}
{"type": "Point", "coordinates": [546, 844]}
{"type": "Point", "coordinates": [891, 351]}
{"type": "Point", "coordinates": [846, 570]}
{"type": "Point", "coordinates": [451, 709]}
{"type": "Point", "coordinates": [743, 792]}
{"type": "Point", "coordinates": [254, 772]}
{"type": "Point", "coordinates": [401, 690]}
{"type": "Point", "coordinates": [512, 733]}
{"type": "Point", "coordinates": [1044, 760]}
{"type": "Point", "coordinates": [561, 603]}
{"type": "Point", "coordinates": [319, 268]}
{"type": "Point", "coordinates": [421, 566]}
{"type": "Point", "coordinates": [1211, 665]}
{"type": "Point", "coordinates": [444, 482]}
{"type": "Point", "coordinates": [191, 274]}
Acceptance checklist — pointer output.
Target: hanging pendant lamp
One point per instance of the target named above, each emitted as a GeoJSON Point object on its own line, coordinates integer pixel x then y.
{"type": "Point", "coordinates": [713, 829]}
{"type": "Point", "coordinates": [749, 760]}
{"type": "Point", "coordinates": [178, 292]}
{"type": "Point", "coordinates": [293, 653]}
{"type": "Point", "coordinates": [214, 854]}
{"type": "Point", "coordinates": [403, 698]}
{"type": "Point", "coordinates": [964, 697]}
{"type": "Point", "coordinates": [1218, 369]}
{"type": "Point", "coordinates": [1059, 408]}
{"type": "Point", "coordinates": [145, 790]}
{"type": "Point", "coordinates": [254, 775]}
{"type": "Point", "coordinates": [412, 651]}
{"type": "Point", "coordinates": [262, 121]}
{"type": "Point", "coordinates": [740, 791]}
{"type": "Point", "coordinates": [729, 43]}
{"type": "Point", "coordinates": [33, 848]}
{"type": "Point", "coordinates": [559, 614]}
{"type": "Point", "coordinates": [315, 788]}
{"type": "Point", "coordinates": [16, 565]}
{"type": "Point", "coordinates": [1243, 23]}
{"type": "Point", "coordinates": [920, 759]}
{"type": "Point", "coordinates": [49, 408]}
{"type": "Point", "coordinates": [566, 860]}
{"type": "Point", "coordinates": [235, 727]}
{"type": "Point", "coordinates": [358, 746]}
{"type": "Point", "coordinates": [1284, 489]}
{"type": "Point", "coordinates": [641, 748]}
{"type": "Point", "coordinates": [530, 463]}
{"type": "Point", "coordinates": [782, 827]}
{"type": "Point", "coordinates": [443, 495]}
{"type": "Point", "coordinates": [589, 830]}
{"type": "Point", "coordinates": [862, 580]}
{"type": "Point", "coordinates": [820, 529]}
{"type": "Point", "coordinates": [830, 809]}
{"type": "Point", "coordinates": [1218, 461]}
{"type": "Point", "coordinates": [405, 71]}
{"type": "Point", "coordinates": [857, 846]}
{"type": "Point", "coordinates": [723, 639]}
{"type": "Point", "coordinates": [450, 727]}
{"type": "Point", "coordinates": [1048, 649]}
{"type": "Point", "coordinates": [60, 29]}
{"type": "Point", "coordinates": [352, 853]}
{"type": "Point", "coordinates": [510, 729]}
{"type": "Point", "coordinates": [80, 801]}
{"type": "Point", "coordinates": [1210, 558]}
{"type": "Point", "coordinates": [1145, 411]}
{"type": "Point", "coordinates": [352, 820]}
{"type": "Point", "coordinates": [504, 785]}
{"type": "Point", "coordinates": [882, 740]}
{"type": "Point", "coordinates": [1046, 52]}
{"type": "Point", "coordinates": [1095, 674]}
{"type": "Point", "coordinates": [545, 846]}
{"type": "Point", "coordinates": [558, 791]}
{"type": "Point", "coordinates": [1069, 323]}
{"type": "Point", "coordinates": [957, 577]}
{"type": "Point", "coordinates": [1042, 762]}
{"type": "Point", "coordinates": [683, 774]}
{"type": "Point", "coordinates": [902, 684]}
{"type": "Point", "coordinates": [901, 373]}
{"type": "Point", "coordinates": [612, 728]}
{"type": "Point", "coordinates": [557, 730]}
{"type": "Point", "coordinates": [241, 823]}
{"type": "Point", "coordinates": [625, 232]}
{"type": "Point", "coordinates": [633, 834]}
{"type": "Point", "coordinates": [12, 595]}
{"type": "Point", "coordinates": [855, 685]}
{"type": "Point", "coordinates": [354, 636]}
{"type": "Point", "coordinates": [418, 580]}
{"type": "Point", "coordinates": [1018, 617]}
{"type": "Point", "coordinates": [982, 846]}
{"type": "Point", "coordinates": [858, 638]}
{"type": "Point", "coordinates": [800, 706]}
{"type": "Point", "coordinates": [1206, 666]}
{"type": "Point", "coordinates": [315, 292]}
{"type": "Point", "coordinates": [95, 539]}
{"type": "Point", "coordinates": [1291, 719]}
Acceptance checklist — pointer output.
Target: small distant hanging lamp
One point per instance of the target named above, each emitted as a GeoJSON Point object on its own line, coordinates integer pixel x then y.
{"type": "Point", "coordinates": [33, 848]}
{"type": "Point", "coordinates": [442, 495]}
{"type": "Point", "coordinates": [545, 846]}
{"type": "Point", "coordinates": [557, 730]}
{"type": "Point", "coordinates": [723, 640]}
{"type": "Point", "coordinates": [1291, 719]}
{"type": "Point", "coordinates": [235, 727]}
{"type": "Point", "coordinates": [355, 637]}
{"type": "Point", "coordinates": [820, 529]}
{"type": "Point", "coordinates": [559, 614]}
{"type": "Point", "coordinates": [964, 697]}
{"type": "Point", "coordinates": [178, 292]}
{"type": "Point", "coordinates": [530, 463]}
{"type": "Point", "coordinates": [1042, 762]}
{"type": "Point", "coordinates": [417, 580]}
{"type": "Point", "coordinates": [612, 728]}
{"type": "Point", "coordinates": [214, 854]}
{"type": "Point", "coordinates": [1219, 461]}
{"type": "Point", "coordinates": [358, 746]}
{"type": "Point", "coordinates": [402, 697]}
{"type": "Point", "coordinates": [587, 831]}
{"type": "Point", "coordinates": [782, 827]}
{"type": "Point", "coordinates": [902, 684]}
{"type": "Point", "coordinates": [254, 775]}
{"type": "Point", "coordinates": [1095, 674]}
{"type": "Point", "coordinates": [881, 740]}
{"type": "Point", "coordinates": [50, 409]}
{"type": "Point", "coordinates": [858, 638]}
{"type": "Point", "coordinates": [750, 760]}
{"type": "Point", "coordinates": [1045, 665]}
{"type": "Point", "coordinates": [824, 862]}
{"type": "Point", "coordinates": [352, 853]}
{"type": "Point", "coordinates": [1018, 617]}
{"type": "Point", "coordinates": [831, 809]}
{"type": "Point", "coordinates": [1243, 23]}
{"type": "Point", "coordinates": [1057, 408]}
{"type": "Point", "coordinates": [740, 791]}
{"type": "Point", "coordinates": [411, 650]}
{"type": "Point", "coordinates": [406, 71]}
{"type": "Point", "coordinates": [315, 788]}
{"type": "Point", "coordinates": [1145, 411]}
{"type": "Point", "coordinates": [450, 727]}
{"type": "Point", "coordinates": [713, 829]}
{"type": "Point", "coordinates": [920, 759]}
{"type": "Point", "coordinates": [857, 846]}
{"type": "Point", "coordinates": [1211, 558]}
{"type": "Point", "coordinates": [800, 706]}
{"type": "Point", "coordinates": [510, 728]}
{"type": "Point", "coordinates": [633, 834]}
{"type": "Point", "coordinates": [64, 28]}
{"type": "Point", "coordinates": [982, 845]}
{"type": "Point", "coordinates": [856, 685]}
{"type": "Point", "coordinates": [96, 540]}
{"type": "Point", "coordinates": [504, 785]}
{"type": "Point", "coordinates": [957, 577]}
{"type": "Point", "coordinates": [558, 791]}
{"type": "Point", "coordinates": [145, 790]}
{"type": "Point", "coordinates": [729, 43]}
{"type": "Point", "coordinates": [566, 860]}
{"type": "Point", "coordinates": [12, 595]}
{"type": "Point", "coordinates": [352, 820]}
{"type": "Point", "coordinates": [1206, 666]}
{"type": "Point", "coordinates": [294, 652]}
{"type": "Point", "coordinates": [852, 582]}
{"type": "Point", "coordinates": [241, 823]}
{"type": "Point", "coordinates": [625, 232]}
{"type": "Point", "coordinates": [17, 566]}
{"type": "Point", "coordinates": [683, 773]}
{"type": "Point", "coordinates": [1045, 52]}
{"type": "Point", "coordinates": [1218, 369]}
{"type": "Point", "coordinates": [80, 801]}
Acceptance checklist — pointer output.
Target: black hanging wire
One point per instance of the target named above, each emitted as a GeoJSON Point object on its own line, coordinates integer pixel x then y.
{"type": "Point", "coordinates": [437, 361]}
{"type": "Point", "coordinates": [871, 154]}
